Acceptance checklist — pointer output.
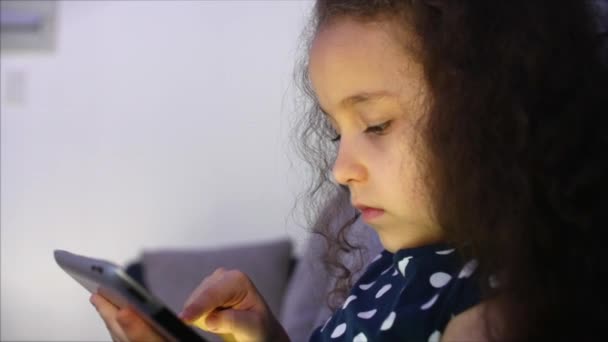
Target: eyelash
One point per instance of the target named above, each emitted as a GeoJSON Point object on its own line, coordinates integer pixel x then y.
{"type": "Point", "coordinates": [378, 130]}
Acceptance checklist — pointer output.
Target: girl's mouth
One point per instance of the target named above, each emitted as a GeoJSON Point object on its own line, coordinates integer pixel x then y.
{"type": "Point", "coordinates": [369, 213]}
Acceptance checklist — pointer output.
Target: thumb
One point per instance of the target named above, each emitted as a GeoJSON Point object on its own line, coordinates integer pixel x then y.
{"type": "Point", "coordinates": [243, 325]}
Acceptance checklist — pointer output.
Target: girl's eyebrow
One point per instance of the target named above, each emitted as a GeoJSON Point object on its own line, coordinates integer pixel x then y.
{"type": "Point", "coordinates": [361, 98]}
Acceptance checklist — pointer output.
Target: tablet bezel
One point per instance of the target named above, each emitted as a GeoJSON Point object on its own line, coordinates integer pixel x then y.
{"type": "Point", "coordinates": [114, 284]}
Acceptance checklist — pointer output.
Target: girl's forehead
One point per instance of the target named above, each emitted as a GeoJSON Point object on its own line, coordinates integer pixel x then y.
{"type": "Point", "coordinates": [348, 57]}
{"type": "Point", "coordinates": [348, 35]}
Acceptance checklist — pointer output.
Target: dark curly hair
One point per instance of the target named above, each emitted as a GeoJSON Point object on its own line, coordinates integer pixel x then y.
{"type": "Point", "coordinates": [517, 138]}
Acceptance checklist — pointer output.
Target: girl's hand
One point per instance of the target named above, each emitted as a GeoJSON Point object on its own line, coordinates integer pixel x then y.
{"type": "Point", "coordinates": [124, 324]}
{"type": "Point", "coordinates": [227, 302]}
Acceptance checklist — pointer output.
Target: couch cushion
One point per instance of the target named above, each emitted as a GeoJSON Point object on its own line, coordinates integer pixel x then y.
{"type": "Point", "coordinates": [172, 274]}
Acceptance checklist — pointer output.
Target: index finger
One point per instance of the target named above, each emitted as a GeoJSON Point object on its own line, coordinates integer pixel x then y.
{"type": "Point", "coordinates": [108, 312]}
{"type": "Point", "coordinates": [223, 290]}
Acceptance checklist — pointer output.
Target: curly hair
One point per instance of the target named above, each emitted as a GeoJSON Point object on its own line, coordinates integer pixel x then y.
{"type": "Point", "coordinates": [517, 138]}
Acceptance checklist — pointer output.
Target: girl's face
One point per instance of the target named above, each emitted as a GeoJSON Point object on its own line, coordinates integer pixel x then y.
{"type": "Point", "coordinates": [373, 92]}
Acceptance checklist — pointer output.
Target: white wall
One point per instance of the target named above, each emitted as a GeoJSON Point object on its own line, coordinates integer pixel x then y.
{"type": "Point", "coordinates": [151, 124]}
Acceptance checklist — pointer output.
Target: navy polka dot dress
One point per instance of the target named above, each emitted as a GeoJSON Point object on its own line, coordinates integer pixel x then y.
{"type": "Point", "coordinates": [407, 296]}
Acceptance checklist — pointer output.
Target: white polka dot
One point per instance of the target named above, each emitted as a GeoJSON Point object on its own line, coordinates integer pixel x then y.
{"type": "Point", "coordinates": [360, 338]}
{"type": "Point", "coordinates": [403, 264]}
{"type": "Point", "coordinates": [376, 258]}
{"type": "Point", "coordinates": [395, 273]}
{"type": "Point", "coordinates": [367, 314]}
{"type": "Point", "coordinates": [366, 286]}
{"type": "Point", "coordinates": [388, 322]}
{"type": "Point", "coordinates": [340, 329]}
{"type": "Point", "coordinates": [444, 252]}
{"type": "Point", "coordinates": [468, 269]}
{"type": "Point", "coordinates": [493, 281]}
{"type": "Point", "coordinates": [383, 290]}
{"type": "Point", "coordinates": [348, 300]}
{"type": "Point", "coordinates": [430, 302]}
{"type": "Point", "coordinates": [386, 270]}
{"type": "Point", "coordinates": [439, 279]}
{"type": "Point", "coordinates": [435, 336]}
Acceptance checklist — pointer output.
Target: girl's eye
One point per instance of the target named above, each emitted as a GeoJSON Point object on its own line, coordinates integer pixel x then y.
{"type": "Point", "coordinates": [378, 129]}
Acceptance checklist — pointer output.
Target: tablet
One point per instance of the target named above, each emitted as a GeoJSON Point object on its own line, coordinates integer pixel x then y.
{"type": "Point", "coordinates": [114, 284]}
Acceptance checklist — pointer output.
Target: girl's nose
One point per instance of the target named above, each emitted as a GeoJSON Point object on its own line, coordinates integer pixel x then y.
{"type": "Point", "coordinates": [348, 167]}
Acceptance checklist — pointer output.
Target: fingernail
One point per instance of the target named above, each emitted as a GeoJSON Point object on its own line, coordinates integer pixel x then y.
{"type": "Point", "coordinates": [185, 315]}
{"type": "Point", "coordinates": [212, 322]}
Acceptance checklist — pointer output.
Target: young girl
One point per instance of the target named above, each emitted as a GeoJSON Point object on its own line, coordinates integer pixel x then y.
{"type": "Point", "coordinates": [471, 135]}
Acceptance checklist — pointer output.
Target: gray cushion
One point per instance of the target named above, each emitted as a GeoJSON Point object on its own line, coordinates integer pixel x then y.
{"type": "Point", "coordinates": [172, 274]}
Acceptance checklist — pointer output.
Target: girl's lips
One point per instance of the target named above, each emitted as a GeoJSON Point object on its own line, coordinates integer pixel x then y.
{"type": "Point", "coordinates": [369, 213]}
